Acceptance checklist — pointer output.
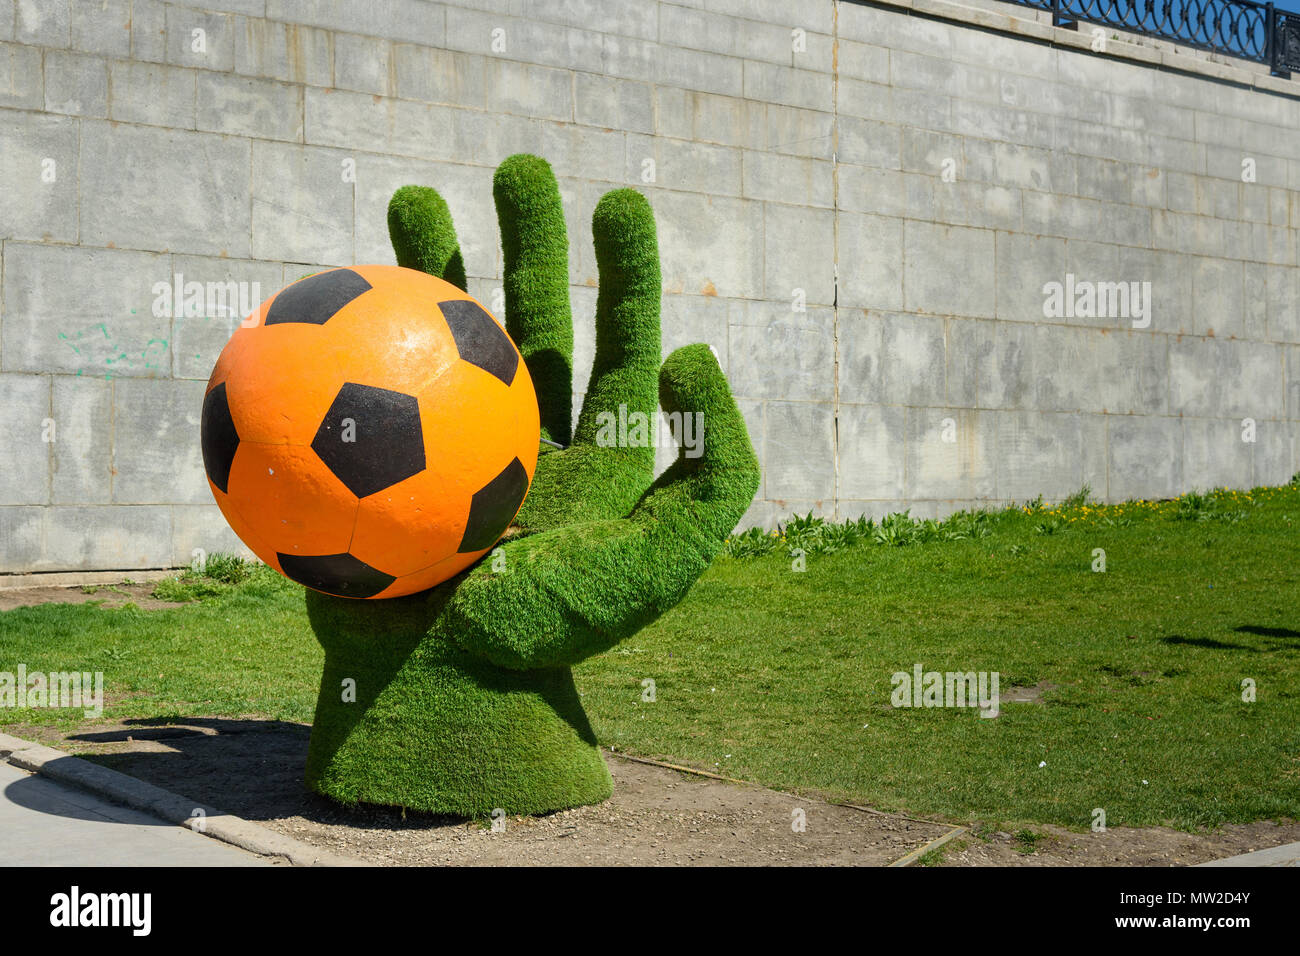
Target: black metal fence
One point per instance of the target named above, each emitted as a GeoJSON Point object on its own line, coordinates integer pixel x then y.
{"type": "Point", "coordinates": [1241, 28]}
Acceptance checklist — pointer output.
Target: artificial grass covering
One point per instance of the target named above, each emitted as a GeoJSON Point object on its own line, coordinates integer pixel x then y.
{"type": "Point", "coordinates": [461, 700]}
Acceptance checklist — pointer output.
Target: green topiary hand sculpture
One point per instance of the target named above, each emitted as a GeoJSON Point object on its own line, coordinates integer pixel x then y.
{"type": "Point", "coordinates": [464, 701]}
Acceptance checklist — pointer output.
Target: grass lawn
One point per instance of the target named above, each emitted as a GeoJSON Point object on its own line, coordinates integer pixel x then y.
{"type": "Point", "coordinates": [784, 677]}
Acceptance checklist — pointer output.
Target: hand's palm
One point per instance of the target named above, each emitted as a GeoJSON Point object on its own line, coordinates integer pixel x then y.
{"type": "Point", "coordinates": [601, 547]}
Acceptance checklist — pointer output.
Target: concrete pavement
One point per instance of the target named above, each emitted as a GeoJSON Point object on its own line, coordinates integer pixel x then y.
{"type": "Point", "coordinates": [47, 823]}
{"type": "Point", "coordinates": [1286, 855]}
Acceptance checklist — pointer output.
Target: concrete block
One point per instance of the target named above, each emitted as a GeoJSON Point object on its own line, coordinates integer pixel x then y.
{"type": "Point", "coordinates": [408, 21]}
{"type": "Point", "coordinates": [1212, 378]}
{"type": "Point", "coordinates": [861, 345]}
{"type": "Point", "coordinates": [885, 192]}
{"type": "Point", "coordinates": [1214, 456]}
{"type": "Point", "coordinates": [868, 143]}
{"type": "Point", "coordinates": [707, 72]}
{"type": "Point", "coordinates": [103, 27]}
{"type": "Point", "coordinates": [1292, 381]}
{"type": "Point", "coordinates": [108, 537]}
{"type": "Point", "coordinates": [1006, 366]}
{"type": "Point", "coordinates": [584, 152]}
{"type": "Point", "coordinates": [712, 118]}
{"type": "Point", "coordinates": [1053, 455]}
{"type": "Point", "coordinates": [798, 132]}
{"type": "Point", "coordinates": [343, 119]}
{"type": "Point", "coordinates": [52, 325]}
{"type": "Point", "coordinates": [1025, 263]}
{"type": "Point", "coordinates": [364, 64]}
{"type": "Point", "coordinates": [21, 77]}
{"type": "Point", "coordinates": [730, 36]}
{"type": "Point", "coordinates": [532, 41]}
{"type": "Point", "coordinates": [1170, 274]}
{"type": "Point", "coordinates": [1008, 125]}
{"type": "Point", "coordinates": [871, 262]}
{"type": "Point", "coordinates": [25, 479]}
{"type": "Point", "coordinates": [200, 39]}
{"type": "Point", "coordinates": [950, 453]}
{"type": "Point", "coordinates": [873, 101]}
{"type": "Point", "coordinates": [263, 109]}
{"type": "Point", "coordinates": [440, 76]}
{"type": "Point", "coordinates": [1175, 155]}
{"type": "Point", "coordinates": [34, 147]}
{"type": "Point", "coordinates": [302, 207]}
{"type": "Point", "coordinates": [1253, 203]}
{"type": "Point", "coordinates": [23, 532]}
{"type": "Point", "coordinates": [944, 75]}
{"type": "Point", "coordinates": [152, 93]}
{"type": "Point", "coordinates": [1148, 187]}
{"type": "Point", "coordinates": [1104, 179]}
{"type": "Point", "coordinates": [798, 253]}
{"type": "Point", "coordinates": [969, 352]}
{"type": "Point", "coordinates": [156, 453]}
{"type": "Point", "coordinates": [613, 103]}
{"type": "Point", "coordinates": [932, 153]}
{"type": "Point", "coordinates": [681, 165]}
{"type": "Point", "coordinates": [1146, 457]}
{"type": "Point", "coordinates": [1217, 297]}
{"type": "Point", "coordinates": [195, 207]}
{"type": "Point", "coordinates": [527, 90]}
{"type": "Point", "coordinates": [1254, 312]}
{"type": "Point", "coordinates": [631, 58]}
{"type": "Point", "coordinates": [778, 353]}
{"type": "Point", "coordinates": [976, 204]}
{"type": "Point", "coordinates": [632, 18]}
{"type": "Point", "coordinates": [1230, 162]}
{"type": "Point", "coordinates": [871, 452]}
{"type": "Point", "coordinates": [755, 415]}
{"type": "Point", "coordinates": [687, 319]}
{"type": "Point", "coordinates": [467, 190]}
{"type": "Point", "coordinates": [864, 61]}
{"type": "Point", "coordinates": [710, 242]}
{"type": "Point", "coordinates": [914, 359]}
{"type": "Point", "coordinates": [815, 16]}
{"type": "Point", "coordinates": [283, 51]}
{"type": "Point", "coordinates": [149, 31]}
{"type": "Point", "coordinates": [870, 24]}
{"type": "Point", "coordinates": [47, 23]}
{"type": "Point", "coordinates": [923, 109]}
{"type": "Point", "coordinates": [203, 527]}
{"type": "Point", "coordinates": [1283, 291]}
{"type": "Point", "coordinates": [197, 339]}
{"type": "Point", "coordinates": [83, 446]}
{"type": "Point", "coordinates": [792, 87]}
{"type": "Point", "coordinates": [1066, 376]}
{"type": "Point", "coordinates": [789, 179]}
{"type": "Point", "coordinates": [799, 452]}
{"type": "Point", "coordinates": [948, 270]}
{"type": "Point", "coordinates": [1132, 372]}
{"type": "Point", "coordinates": [1274, 452]}
{"type": "Point", "coordinates": [76, 84]}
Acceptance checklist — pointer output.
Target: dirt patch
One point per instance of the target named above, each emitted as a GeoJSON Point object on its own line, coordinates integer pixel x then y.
{"type": "Point", "coordinates": [105, 595]}
{"type": "Point", "coordinates": [1148, 846]}
{"type": "Point", "coordinates": [254, 768]}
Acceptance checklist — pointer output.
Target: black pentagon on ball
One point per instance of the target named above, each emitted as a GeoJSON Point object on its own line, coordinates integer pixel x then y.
{"type": "Point", "coordinates": [479, 340]}
{"type": "Point", "coordinates": [371, 438]}
{"type": "Point", "coordinates": [218, 436]}
{"type": "Point", "coordinates": [340, 574]}
{"type": "Point", "coordinates": [316, 299]}
{"type": "Point", "coordinates": [493, 506]}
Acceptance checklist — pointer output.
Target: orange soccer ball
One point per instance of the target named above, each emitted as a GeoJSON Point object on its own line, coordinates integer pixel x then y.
{"type": "Point", "coordinates": [370, 431]}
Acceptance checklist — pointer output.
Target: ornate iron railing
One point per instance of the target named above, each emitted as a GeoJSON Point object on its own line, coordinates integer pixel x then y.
{"type": "Point", "coordinates": [1240, 28]}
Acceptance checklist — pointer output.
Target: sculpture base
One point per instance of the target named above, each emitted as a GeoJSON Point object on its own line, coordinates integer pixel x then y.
{"type": "Point", "coordinates": [407, 718]}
